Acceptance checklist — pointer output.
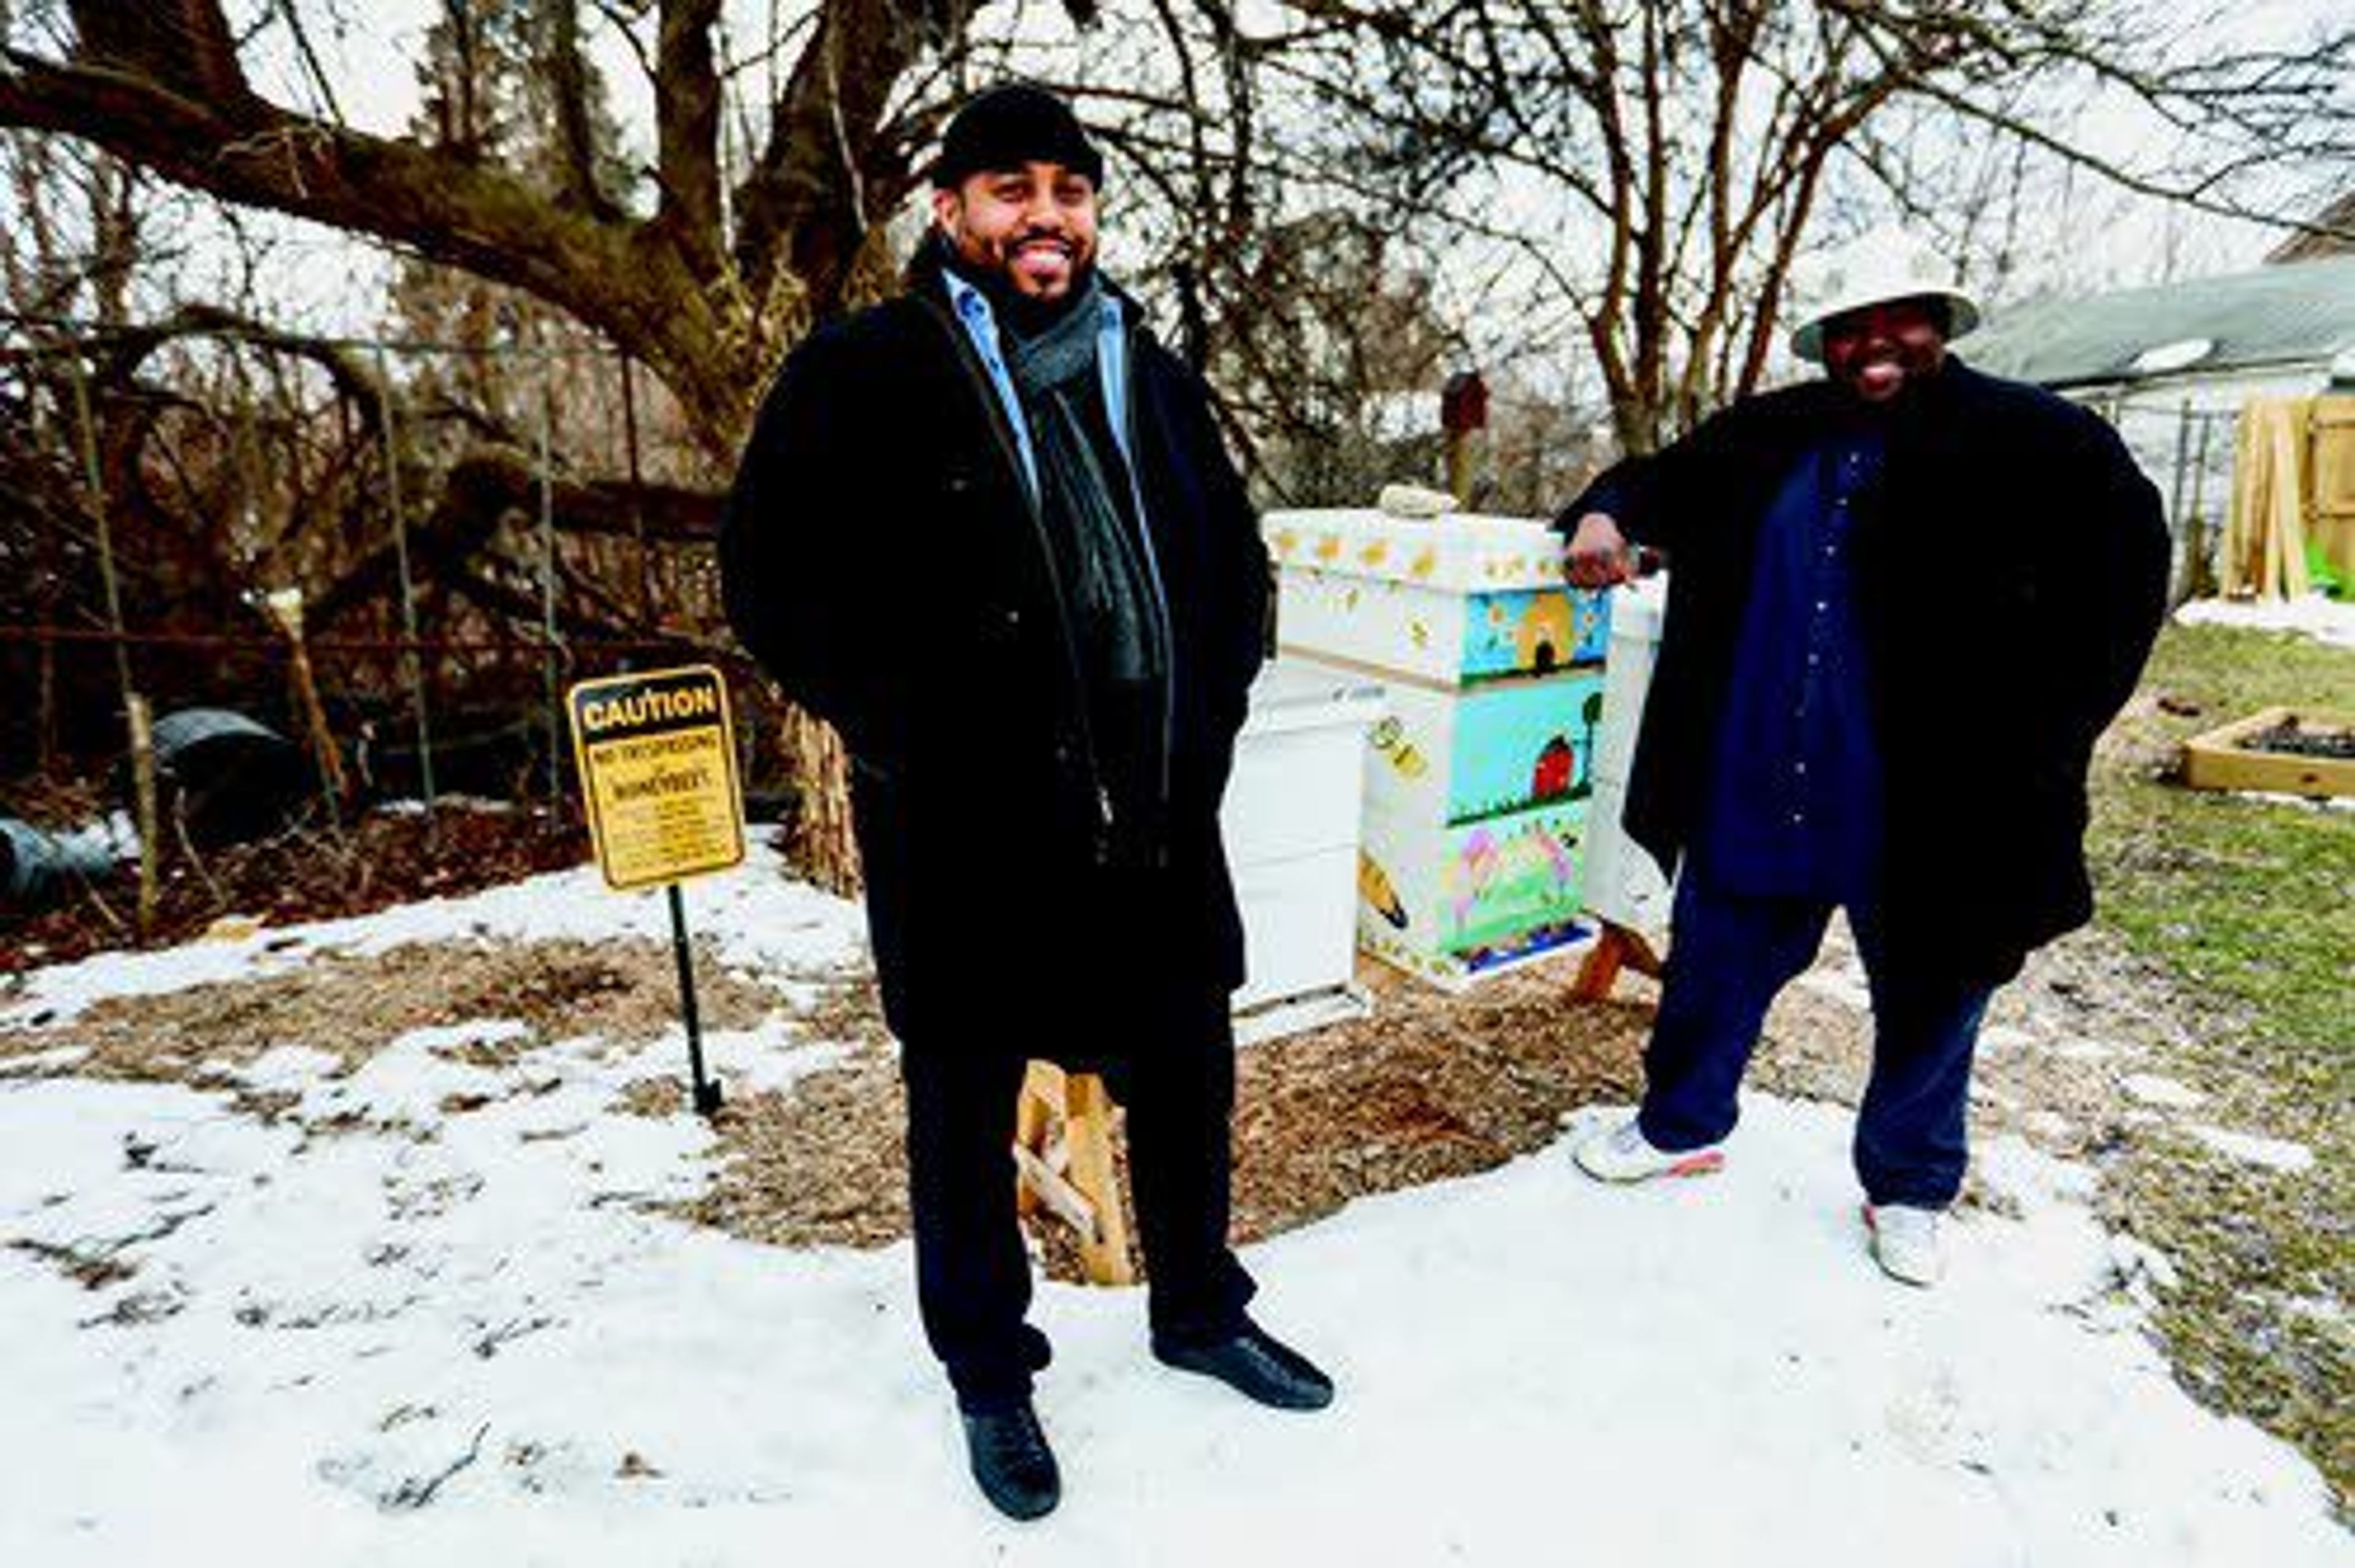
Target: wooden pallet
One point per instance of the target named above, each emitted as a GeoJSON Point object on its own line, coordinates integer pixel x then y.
{"type": "Point", "coordinates": [2218, 760]}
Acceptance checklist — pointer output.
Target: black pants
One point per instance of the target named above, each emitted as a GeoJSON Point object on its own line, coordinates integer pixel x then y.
{"type": "Point", "coordinates": [1729, 955]}
{"type": "Point", "coordinates": [973, 1276]}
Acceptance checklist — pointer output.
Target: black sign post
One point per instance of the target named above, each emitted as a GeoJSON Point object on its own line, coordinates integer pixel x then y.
{"type": "Point", "coordinates": [657, 762]}
{"type": "Point", "coordinates": [706, 1092]}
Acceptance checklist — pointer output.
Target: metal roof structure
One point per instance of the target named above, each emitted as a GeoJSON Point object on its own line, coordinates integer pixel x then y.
{"type": "Point", "coordinates": [2333, 235]}
{"type": "Point", "coordinates": [2301, 313]}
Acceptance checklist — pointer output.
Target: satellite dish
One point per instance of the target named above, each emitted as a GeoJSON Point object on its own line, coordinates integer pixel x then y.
{"type": "Point", "coordinates": [2176, 355]}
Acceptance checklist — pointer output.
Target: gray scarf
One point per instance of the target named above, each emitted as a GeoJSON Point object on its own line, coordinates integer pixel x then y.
{"type": "Point", "coordinates": [1090, 508]}
{"type": "Point", "coordinates": [1085, 492]}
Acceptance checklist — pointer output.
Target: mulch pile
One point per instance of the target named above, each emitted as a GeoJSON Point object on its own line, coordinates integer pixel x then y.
{"type": "Point", "coordinates": [1430, 1086]}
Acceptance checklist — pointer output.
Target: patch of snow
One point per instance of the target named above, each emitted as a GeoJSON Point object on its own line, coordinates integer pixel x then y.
{"type": "Point", "coordinates": [287, 1067]}
{"type": "Point", "coordinates": [2324, 1309]}
{"type": "Point", "coordinates": [2273, 1154]}
{"type": "Point", "coordinates": [2314, 616]}
{"type": "Point", "coordinates": [2083, 1049]}
{"type": "Point", "coordinates": [2309, 802]}
{"type": "Point", "coordinates": [770, 1056]}
{"type": "Point", "coordinates": [2028, 1176]}
{"type": "Point", "coordinates": [1844, 984]}
{"type": "Point", "coordinates": [2135, 1258]}
{"type": "Point", "coordinates": [761, 921]}
{"type": "Point", "coordinates": [40, 1061]}
{"type": "Point", "coordinates": [2167, 1093]}
{"type": "Point", "coordinates": [2004, 1038]}
{"type": "Point", "coordinates": [440, 1334]}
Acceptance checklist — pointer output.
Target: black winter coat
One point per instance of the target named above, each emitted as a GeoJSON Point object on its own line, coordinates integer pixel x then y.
{"type": "Point", "coordinates": [883, 561]}
{"type": "Point", "coordinates": [2012, 574]}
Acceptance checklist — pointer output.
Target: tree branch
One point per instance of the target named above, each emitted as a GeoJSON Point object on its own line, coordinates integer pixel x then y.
{"type": "Point", "coordinates": [558, 26]}
{"type": "Point", "coordinates": [686, 112]}
{"type": "Point", "coordinates": [615, 276]}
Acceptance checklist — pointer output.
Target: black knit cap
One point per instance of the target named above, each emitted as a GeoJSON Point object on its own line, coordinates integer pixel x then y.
{"type": "Point", "coordinates": [1011, 124]}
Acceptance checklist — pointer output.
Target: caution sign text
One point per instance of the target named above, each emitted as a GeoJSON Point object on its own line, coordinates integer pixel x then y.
{"type": "Point", "coordinates": [657, 761]}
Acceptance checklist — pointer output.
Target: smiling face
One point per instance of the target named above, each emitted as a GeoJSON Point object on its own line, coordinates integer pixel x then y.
{"type": "Point", "coordinates": [1878, 351]}
{"type": "Point", "coordinates": [1035, 225]}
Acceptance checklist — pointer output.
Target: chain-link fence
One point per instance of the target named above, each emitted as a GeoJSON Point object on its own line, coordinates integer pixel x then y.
{"type": "Point", "coordinates": [393, 555]}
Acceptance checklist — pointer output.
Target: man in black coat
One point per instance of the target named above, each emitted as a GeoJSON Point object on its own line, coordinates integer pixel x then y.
{"type": "Point", "coordinates": [1902, 603]}
{"type": "Point", "coordinates": [988, 531]}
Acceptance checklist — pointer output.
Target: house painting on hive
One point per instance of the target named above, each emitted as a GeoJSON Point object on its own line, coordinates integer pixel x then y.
{"type": "Point", "coordinates": [1532, 631]}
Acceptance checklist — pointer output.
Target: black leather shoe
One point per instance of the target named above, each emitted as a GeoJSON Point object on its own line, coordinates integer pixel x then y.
{"type": "Point", "coordinates": [1254, 1365]}
{"type": "Point", "coordinates": [1011, 1462]}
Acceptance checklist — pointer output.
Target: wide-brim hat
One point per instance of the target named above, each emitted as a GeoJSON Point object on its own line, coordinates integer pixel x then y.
{"type": "Point", "coordinates": [1011, 124]}
{"type": "Point", "coordinates": [1877, 268]}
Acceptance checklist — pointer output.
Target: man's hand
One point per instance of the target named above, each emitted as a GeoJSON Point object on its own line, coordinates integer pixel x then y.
{"type": "Point", "coordinates": [1598, 555]}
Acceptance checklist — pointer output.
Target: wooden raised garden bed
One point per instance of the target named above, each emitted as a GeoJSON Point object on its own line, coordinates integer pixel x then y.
{"type": "Point", "coordinates": [2287, 750]}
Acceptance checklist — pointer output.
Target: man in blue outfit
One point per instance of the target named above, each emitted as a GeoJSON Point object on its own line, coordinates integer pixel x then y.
{"type": "Point", "coordinates": [988, 530]}
{"type": "Point", "coordinates": [1903, 601]}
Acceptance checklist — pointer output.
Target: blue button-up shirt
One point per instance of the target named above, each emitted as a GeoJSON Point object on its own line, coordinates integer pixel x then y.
{"type": "Point", "coordinates": [1795, 796]}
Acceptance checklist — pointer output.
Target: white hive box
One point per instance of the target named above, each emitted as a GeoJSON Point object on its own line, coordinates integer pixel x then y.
{"type": "Point", "coordinates": [1623, 884]}
{"type": "Point", "coordinates": [1476, 785]}
{"type": "Point", "coordinates": [1292, 822]}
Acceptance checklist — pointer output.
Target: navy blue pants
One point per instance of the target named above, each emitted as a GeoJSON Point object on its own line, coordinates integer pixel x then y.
{"type": "Point", "coordinates": [1729, 955]}
{"type": "Point", "coordinates": [973, 1276]}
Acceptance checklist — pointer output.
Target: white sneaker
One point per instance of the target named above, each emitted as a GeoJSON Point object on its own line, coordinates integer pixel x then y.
{"type": "Point", "coordinates": [1905, 1241]}
{"type": "Point", "coordinates": [1624, 1154]}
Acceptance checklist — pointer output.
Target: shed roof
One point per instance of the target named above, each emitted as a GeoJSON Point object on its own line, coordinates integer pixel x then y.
{"type": "Point", "coordinates": [2334, 235]}
{"type": "Point", "coordinates": [2298, 314]}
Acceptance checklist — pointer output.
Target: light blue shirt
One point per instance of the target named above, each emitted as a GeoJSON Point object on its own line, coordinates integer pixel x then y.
{"type": "Point", "coordinates": [980, 324]}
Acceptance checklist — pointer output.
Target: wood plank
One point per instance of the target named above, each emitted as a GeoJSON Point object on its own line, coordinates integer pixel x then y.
{"type": "Point", "coordinates": [1030, 1115]}
{"type": "Point", "coordinates": [1615, 949]}
{"type": "Point", "coordinates": [1063, 1201]}
{"type": "Point", "coordinates": [1087, 1126]}
{"type": "Point", "coordinates": [2219, 760]}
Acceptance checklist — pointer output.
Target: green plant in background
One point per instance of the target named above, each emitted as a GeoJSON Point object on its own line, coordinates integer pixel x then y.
{"type": "Point", "coordinates": [2326, 576]}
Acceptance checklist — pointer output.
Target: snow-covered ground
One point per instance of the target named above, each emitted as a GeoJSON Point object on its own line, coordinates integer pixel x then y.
{"type": "Point", "coordinates": [465, 1337]}
{"type": "Point", "coordinates": [2324, 619]}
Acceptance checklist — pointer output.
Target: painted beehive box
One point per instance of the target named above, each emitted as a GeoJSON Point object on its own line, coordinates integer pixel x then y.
{"type": "Point", "coordinates": [1454, 600]}
{"type": "Point", "coordinates": [1477, 781]}
{"type": "Point", "coordinates": [1475, 821]}
{"type": "Point", "coordinates": [1487, 751]}
{"type": "Point", "coordinates": [1450, 904]}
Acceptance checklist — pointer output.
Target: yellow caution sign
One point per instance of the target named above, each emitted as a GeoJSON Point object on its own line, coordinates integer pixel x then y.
{"type": "Point", "coordinates": [657, 758]}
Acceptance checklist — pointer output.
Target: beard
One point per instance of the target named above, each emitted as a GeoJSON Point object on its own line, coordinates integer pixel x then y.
{"type": "Point", "coordinates": [993, 271]}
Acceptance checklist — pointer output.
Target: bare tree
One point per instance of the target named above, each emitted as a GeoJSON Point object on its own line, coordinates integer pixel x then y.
{"type": "Point", "coordinates": [740, 249]}
{"type": "Point", "coordinates": [730, 262]}
{"type": "Point", "coordinates": [1656, 164]}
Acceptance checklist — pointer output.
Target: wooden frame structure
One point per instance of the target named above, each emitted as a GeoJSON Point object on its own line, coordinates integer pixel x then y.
{"type": "Point", "coordinates": [2220, 760]}
{"type": "Point", "coordinates": [1062, 1154]}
